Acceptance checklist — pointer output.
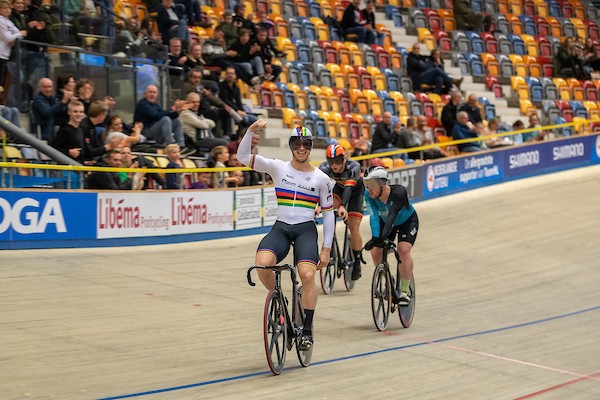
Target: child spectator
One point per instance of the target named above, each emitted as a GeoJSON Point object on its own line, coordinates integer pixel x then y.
{"type": "Point", "coordinates": [173, 153]}
{"type": "Point", "coordinates": [202, 181]}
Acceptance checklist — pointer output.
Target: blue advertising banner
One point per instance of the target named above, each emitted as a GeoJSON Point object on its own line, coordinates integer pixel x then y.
{"type": "Point", "coordinates": [458, 174]}
{"type": "Point", "coordinates": [526, 160]}
{"type": "Point", "coordinates": [596, 150]}
{"type": "Point", "coordinates": [47, 215]}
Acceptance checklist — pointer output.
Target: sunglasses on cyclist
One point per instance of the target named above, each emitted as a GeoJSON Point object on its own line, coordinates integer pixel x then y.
{"type": "Point", "coordinates": [296, 143]}
{"type": "Point", "coordinates": [336, 161]}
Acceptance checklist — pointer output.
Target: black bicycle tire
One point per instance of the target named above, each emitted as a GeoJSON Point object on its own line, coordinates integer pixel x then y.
{"type": "Point", "coordinates": [381, 292]}
{"type": "Point", "coordinates": [328, 274]}
{"type": "Point", "coordinates": [407, 313]}
{"type": "Point", "coordinates": [348, 264]}
{"type": "Point", "coordinates": [272, 319]}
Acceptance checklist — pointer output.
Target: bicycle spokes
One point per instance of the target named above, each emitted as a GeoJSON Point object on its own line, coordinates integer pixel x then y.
{"type": "Point", "coordinates": [275, 332]}
{"type": "Point", "coordinates": [381, 297]}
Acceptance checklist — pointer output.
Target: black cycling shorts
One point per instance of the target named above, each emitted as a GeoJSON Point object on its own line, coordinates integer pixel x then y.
{"type": "Point", "coordinates": [407, 232]}
{"type": "Point", "coordinates": [303, 236]}
{"type": "Point", "coordinates": [355, 205]}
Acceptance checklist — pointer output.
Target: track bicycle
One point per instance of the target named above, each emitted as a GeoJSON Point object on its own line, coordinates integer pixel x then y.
{"type": "Point", "coordinates": [282, 329]}
{"type": "Point", "coordinates": [340, 263]}
{"type": "Point", "coordinates": [385, 291]}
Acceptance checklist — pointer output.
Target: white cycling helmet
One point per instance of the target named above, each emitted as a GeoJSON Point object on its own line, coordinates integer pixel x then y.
{"type": "Point", "coordinates": [300, 132]}
{"type": "Point", "coordinates": [301, 135]}
{"type": "Point", "coordinates": [376, 173]}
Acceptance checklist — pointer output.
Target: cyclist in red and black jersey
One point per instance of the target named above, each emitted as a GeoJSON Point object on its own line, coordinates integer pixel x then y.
{"type": "Point", "coordinates": [348, 195]}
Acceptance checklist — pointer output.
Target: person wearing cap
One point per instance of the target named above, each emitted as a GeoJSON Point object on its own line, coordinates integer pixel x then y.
{"type": "Point", "coordinates": [392, 216]}
{"type": "Point", "coordinates": [299, 188]}
{"type": "Point", "coordinates": [348, 193]}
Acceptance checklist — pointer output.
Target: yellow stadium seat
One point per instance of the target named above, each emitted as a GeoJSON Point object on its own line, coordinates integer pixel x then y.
{"type": "Point", "coordinates": [526, 107]}
{"type": "Point", "coordinates": [520, 87]}
{"type": "Point", "coordinates": [519, 65]}
{"type": "Point", "coordinates": [343, 53]}
{"type": "Point", "coordinates": [580, 28]}
{"type": "Point", "coordinates": [290, 119]}
{"type": "Point", "coordinates": [12, 153]}
{"type": "Point", "coordinates": [426, 37]}
{"type": "Point", "coordinates": [564, 91]}
{"type": "Point", "coordinates": [490, 62]}
{"type": "Point", "coordinates": [531, 45]}
{"type": "Point", "coordinates": [535, 68]}
{"type": "Point", "coordinates": [577, 91]}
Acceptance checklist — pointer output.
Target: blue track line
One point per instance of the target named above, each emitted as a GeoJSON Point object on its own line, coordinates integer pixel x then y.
{"type": "Point", "coordinates": [366, 354]}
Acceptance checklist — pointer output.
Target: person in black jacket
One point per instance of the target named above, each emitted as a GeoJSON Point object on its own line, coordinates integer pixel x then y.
{"type": "Point", "coordinates": [353, 23]}
{"type": "Point", "coordinates": [229, 92]}
{"type": "Point", "coordinates": [108, 180]}
{"type": "Point", "coordinates": [450, 110]}
{"type": "Point", "coordinates": [385, 138]}
{"type": "Point", "coordinates": [368, 15]}
{"type": "Point", "coordinates": [171, 23]}
{"type": "Point", "coordinates": [267, 51]}
{"type": "Point", "coordinates": [422, 71]}
{"type": "Point", "coordinates": [46, 106]}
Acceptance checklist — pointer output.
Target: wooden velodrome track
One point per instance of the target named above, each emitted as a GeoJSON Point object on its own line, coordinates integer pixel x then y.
{"type": "Point", "coordinates": [507, 308]}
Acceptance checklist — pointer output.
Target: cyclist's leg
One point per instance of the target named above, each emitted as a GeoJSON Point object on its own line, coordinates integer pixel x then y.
{"type": "Point", "coordinates": [355, 214]}
{"type": "Point", "coordinates": [272, 249]}
{"type": "Point", "coordinates": [407, 235]}
{"type": "Point", "coordinates": [306, 256]}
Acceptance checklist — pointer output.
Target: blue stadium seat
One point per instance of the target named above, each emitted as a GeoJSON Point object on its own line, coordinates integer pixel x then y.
{"type": "Point", "coordinates": [392, 80]}
{"type": "Point", "coordinates": [549, 111]}
{"type": "Point", "coordinates": [314, 9]}
{"type": "Point", "coordinates": [554, 9]}
{"type": "Point", "coordinates": [392, 13]}
{"type": "Point", "coordinates": [529, 26]}
{"type": "Point", "coordinates": [578, 109]}
{"type": "Point", "coordinates": [518, 44]}
{"type": "Point", "coordinates": [310, 33]}
{"type": "Point", "coordinates": [303, 52]}
{"type": "Point", "coordinates": [475, 64]}
{"type": "Point", "coordinates": [418, 19]}
{"type": "Point", "coordinates": [477, 45]}
{"type": "Point", "coordinates": [535, 89]}
{"type": "Point", "coordinates": [459, 60]}
{"type": "Point", "coordinates": [489, 109]}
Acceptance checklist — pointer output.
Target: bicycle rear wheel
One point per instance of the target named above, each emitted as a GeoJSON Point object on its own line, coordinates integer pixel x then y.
{"type": "Point", "coordinates": [407, 313]}
{"type": "Point", "coordinates": [381, 296]}
{"type": "Point", "coordinates": [275, 332]}
{"type": "Point", "coordinates": [328, 273]}
{"type": "Point", "coordinates": [303, 356]}
{"type": "Point", "coordinates": [348, 264]}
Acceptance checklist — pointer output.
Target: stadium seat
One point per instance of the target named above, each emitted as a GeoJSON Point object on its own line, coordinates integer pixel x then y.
{"type": "Point", "coordinates": [425, 36]}
{"type": "Point", "coordinates": [519, 87]}
{"type": "Point", "coordinates": [459, 60]}
{"type": "Point", "coordinates": [343, 53]}
{"type": "Point", "coordinates": [535, 89]}
{"type": "Point", "coordinates": [592, 109]}
{"type": "Point", "coordinates": [543, 28]}
{"type": "Point", "coordinates": [491, 64]}
{"type": "Point", "coordinates": [533, 66]}
{"type": "Point", "coordinates": [564, 92]}
{"type": "Point", "coordinates": [549, 111]}
{"type": "Point", "coordinates": [518, 44]}
{"type": "Point", "coordinates": [544, 45]}
{"type": "Point", "coordinates": [383, 58]}
{"type": "Point", "coordinates": [359, 101]}
{"type": "Point", "coordinates": [303, 52]}
{"type": "Point", "coordinates": [516, 25]}
{"type": "Point", "coordinates": [503, 43]}
{"type": "Point", "coordinates": [401, 103]}
{"type": "Point", "coordinates": [428, 106]}
{"type": "Point", "coordinates": [418, 19]}
{"type": "Point", "coordinates": [443, 40]}
{"type": "Point", "coordinates": [435, 22]}
{"type": "Point", "coordinates": [568, 28]}
{"type": "Point", "coordinates": [565, 110]}
{"type": "Point", "coordinates": [369, 55]}
{"type": "Point", "coordinates": [462, 44]}
{"type": "Point", "coordinates": [285, 45]}
{"type": "Point", "coordinates": [528, 8]}
{"type": "Point", "coordinates": [491, 45]}
{"type": "Point", "coordinates": [503, 7]}
{"type": "Point", "coordinates": [554, 9]}
{"type": "Point", "coordinates": [492, 84]}
{"type": "Point", "coordinates": [531, 45]}
{"type": "Point", "coordinates": [477, 45]}
{"type": "Point", "coordinates": [520, 68]}
{"type": "Point", "coordinates": [447, 17]}
{"type": "Point", "coordinates": [321, 28]}
{"type": "Point", "coordinates": [475, 64]}
{"type": "Point", "coordinates": [579, 109]}
{"type": "Point", "coordinates": [515, 7]}
{"type": "Point", "coordinates": [392, 80]}
{"type": "Point", "coordinates": [591, 13]}
{"type": "Point", "coordinates": [526, 107]}
{"type": "Point", "coordinates": [502, 24]}
{"type": "Point", "coordinates": [555, 27]}
{"type": "Point", "coordinates": [490, 7]}
{"type": "Point", "coordinates": [324, 76]}
{"type": "Point", "coordinates": [529, 26]}
{"type": "Point", "coordinates": [592, 29]}
{"type": "Point", "coordinates": [550, 90]}
{"type": "Point", "coordinates": [577, 91]}
{"type": "Point", "coordinates": [375, 102]}
{"type": "Point", "coordinates": [591, 91]}
{"type": "Point", "coordinates": [395, 57]}
{"type": "Point", "coordinates": [581, 29]}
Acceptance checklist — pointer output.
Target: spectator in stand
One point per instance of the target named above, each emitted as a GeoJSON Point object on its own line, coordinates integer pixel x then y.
{"type": "Point", "coordinates": [46, 107]}
{"type": "Point", "coordinates": [173, 153]}
{"type": "Point", "coordinates": [149, 41]}
{"type": "Point", "coordinates": [407, 137]}
{"type": "Point", "coordinates": [450, 110]}
{"type": "Point", "coordinates": [423, 135]}
{"type": "Point", "coordinates": [144, 162]}
{"type": "Point", "coordinates": [197, 128]}
{"type": "Point", "coordinates": [567, 63]}
{"type": "Point", "coordinates": [108, 180]}
{"type": "Point", "coordinates": [192, 9]}
{"type": "Point", "coordinates": [234, 144]}
{"type": "Point", "coordinates": [248, 178]}
{"type": "Point", "coordinates": [495, 142]}
{"type": "Point", "coordinates": [265, 22]}
{"type": "Point", "coordinates": [230, 94]}
{"type": "Point", "coordinates": [114, 128]}
{"type": "Point", "coordinates": [242, 22]}
{"type": "Point", "coordinates": [435, 58]}
{"type": "Point", "coordinates": [93, 125]}
{"type": "Point", "coordinates": [230, 31]}
{"type": "Point", "coordinates": [162, 126]}
{"type": "Point", "coordinates": [64, 83]}
{"type": "Point", "coordinates": [215, 54]}
{"type": "Point", "coordinates": [467, 20]}
{"type": "Point", "coordinates": [368, 15]}
{"type": "Point", "coordinates": [247, 55]}
{"type": "Point", "coordinates": [72, 141]}
{"type": "Point", "coordinates": [171, 23]}
{"type": "Point", "coordinates": [353, 23]}
{"type": "Point", "coordinates": [9, 33]}
{"type": "Point", "coordinates": [176, 58]}
{"type": "Point", "coordinates": [423, 72]}
{"type": "Point", "coordinates": [537, 135]}
{"type": "Point", "coordinates": [386, 138]}
{"type": "Point", "coordinates": [266, 53]}
{"type": "Point", "coordinates": [11, 114]}
{"type": "Point", "coordinates": [202, 181]}
{"type": "Point", "coordinates": [465, 129]}
{"type": "Point", "coordinates": [518, 125]}
{"type": "Point", "coordinates": [221, 179]}
{"type": "Point", "coordinates": [195, 60]}
{"type": "Point", "coordinates": [590, 55]}
{"type": "Point", "coordinates": [84, 90]}
{"type": "Point", "coordinates": [472, 109]}
{"type": "Point", "coordinates": [19, 19]}
{"type": "Point", "coordinates": [196, 82]}
{"type": "Point", "coordinates": [136, 179]}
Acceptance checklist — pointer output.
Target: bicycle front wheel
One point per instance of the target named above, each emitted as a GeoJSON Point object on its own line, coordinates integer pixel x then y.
{"type": "Point", "coordinates": [275, 332]}
{"type": "Point", "coordinates": [303, 356]}
{"type": "Point", "coordinates": [381, 296]}
{"type": "Point", "coordinates": [407, 313]}
{"type": "Point", "coordinates": [328, 273]}
{"type": "Point", "coordinates": [348, 264]}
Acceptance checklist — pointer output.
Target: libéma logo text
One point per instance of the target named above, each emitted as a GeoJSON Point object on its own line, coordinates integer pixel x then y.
{"type": "Point", "coordinates": [116, 214]}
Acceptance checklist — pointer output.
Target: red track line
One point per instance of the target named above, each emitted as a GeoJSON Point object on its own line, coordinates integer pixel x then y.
{"type": "Point", "coordinates": [528, 396]}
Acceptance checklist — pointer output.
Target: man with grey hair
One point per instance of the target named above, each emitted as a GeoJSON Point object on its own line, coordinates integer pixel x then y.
{"type": "Point", "coordinates": [197, 128]}
{"type": "Point", "coordinates": [162, 126]}
{"type": "Point", "coordinates": [464, 129]}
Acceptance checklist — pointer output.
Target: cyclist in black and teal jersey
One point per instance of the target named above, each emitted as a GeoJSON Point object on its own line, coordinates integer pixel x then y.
{"type": "Point", "coordinates": [391, 215]}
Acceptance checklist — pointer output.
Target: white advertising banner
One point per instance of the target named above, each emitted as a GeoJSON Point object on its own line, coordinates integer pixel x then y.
{"type": "Point", "coordinates": [160, 214]}
{"type": "Point", "coordinates": [269, 206]}
{"type": "Point", "coordinates": [248, 204]}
